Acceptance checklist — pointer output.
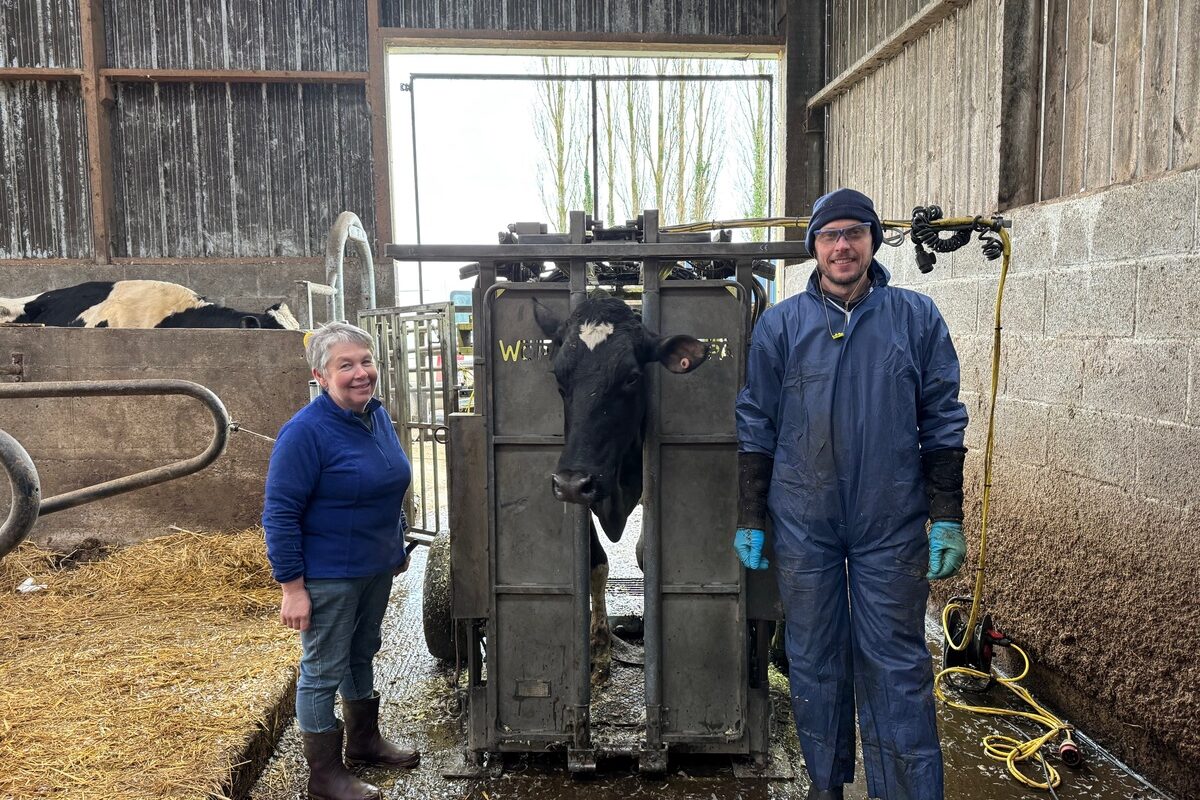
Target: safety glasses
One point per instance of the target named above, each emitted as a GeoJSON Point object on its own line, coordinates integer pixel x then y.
{"type": "Point", "coordinates": [853, 234]}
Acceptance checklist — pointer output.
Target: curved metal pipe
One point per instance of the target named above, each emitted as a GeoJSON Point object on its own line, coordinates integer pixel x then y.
{"type": "Point", "coordinates": [347, 227]}
{"type": "Point", "coordinates": [27, 493]}
{"type": "Point", "coordinates": [127, 388]}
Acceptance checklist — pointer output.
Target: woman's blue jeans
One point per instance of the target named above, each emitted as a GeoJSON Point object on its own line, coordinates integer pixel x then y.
{"type": "Point", "coordinates": [339, 646]}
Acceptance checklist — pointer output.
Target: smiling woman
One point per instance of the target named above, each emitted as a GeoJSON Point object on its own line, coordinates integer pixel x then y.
{"type": "Point", "coordinates": [335, 539]}
{"type": "Point", "coordinates": [349, 375]}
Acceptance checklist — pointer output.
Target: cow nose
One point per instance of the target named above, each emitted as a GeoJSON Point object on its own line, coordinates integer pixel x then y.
{"type": "Point", "coordinates": [574, 487]}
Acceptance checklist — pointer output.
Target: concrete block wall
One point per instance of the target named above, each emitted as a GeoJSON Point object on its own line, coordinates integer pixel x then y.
{"type": "Point", "coordinates": [260, 376]}
{"type": "Point", "coordinates": [1093, 547]}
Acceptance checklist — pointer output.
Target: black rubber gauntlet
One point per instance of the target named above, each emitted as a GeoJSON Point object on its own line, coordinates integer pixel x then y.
{"type": "Point", "coordinates": [944, 483]}
{"type": "Point", "coordinates": [754, 482]}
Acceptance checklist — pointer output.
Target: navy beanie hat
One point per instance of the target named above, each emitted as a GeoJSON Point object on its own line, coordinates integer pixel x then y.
{"type": "Point", "coordinates": [844, 204]}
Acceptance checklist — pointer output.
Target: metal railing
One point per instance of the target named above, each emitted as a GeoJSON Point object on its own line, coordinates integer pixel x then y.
{"type": "Point", "coordinates": [27, 505]}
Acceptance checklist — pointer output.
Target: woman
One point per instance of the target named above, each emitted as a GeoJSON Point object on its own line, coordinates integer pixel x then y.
{"type": "Point", "coordinates": [335, 539]}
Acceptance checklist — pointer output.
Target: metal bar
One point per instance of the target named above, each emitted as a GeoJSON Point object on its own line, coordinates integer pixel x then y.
{"type": "Point", "coordinates": [26, 493]}
{"type": "Point", "coordinates": [596, 251]}
{"type": "Point", "coordinates": [412, 118]}
{"type": "Point", "coordinates": [398, 358]}
{"type": "Point", "coordinates": [701, 588]}
{"type": "Point", "coordinates": [347, 228]}
{"type": "Point", "coordinates": [581, 520]}
{"type": "Point", "coordinates": [651, 522]}
{"type": "Point", "coordinates": [140, 480]}
{"type": "Point", "coordinates": [449, 396]}
{"type": "Point", "coordinates": [377, 107]}
{"type": "Point", "coordinates": [431, 414]}
{"type": "Point", "coordinates": [544, 40]}
{"type": "Point", "coordinates": [595, 155]}
{"type": "Point", "coordinates": [293, 261]}
{"type": "Point", "coordinates": [123, 75]}
{"type": "Point", "coordinates": [97, 100]}
{"type": "Point", "coordinates": [555, 76]}
{"type": "Point", "coordinates": [40, 73]}
{"type": "Point", "coordinates": [508, 588]}
{"type": "Point", "coordinates": [481, 297]}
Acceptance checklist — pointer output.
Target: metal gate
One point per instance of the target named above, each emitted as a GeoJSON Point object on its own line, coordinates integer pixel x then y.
{"type": "Point", "coordinates": [418, 386]}
{"type": "Point", "coordinates": [519, 559]}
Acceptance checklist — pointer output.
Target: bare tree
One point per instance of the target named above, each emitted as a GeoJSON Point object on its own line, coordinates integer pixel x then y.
{"type": "Point", "coordinates": [752, 152]}
{"type": "Point", "coordinates": [635, 122]}
{"type": "Point", "coordinates": [562, 132]}
{"type": "Point", "coordinates": [709, 143]}
{"type": "Point", "coordinates": [658, 148]}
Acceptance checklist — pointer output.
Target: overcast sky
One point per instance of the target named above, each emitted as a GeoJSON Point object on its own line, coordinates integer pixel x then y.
{"type": "Point", "coordinates": [478, 154]}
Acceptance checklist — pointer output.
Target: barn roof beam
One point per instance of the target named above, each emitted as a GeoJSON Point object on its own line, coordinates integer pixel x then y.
{"type": "Point", "coordinates": [230, 76]}
{"type": "Point", "coordinates": [39, 73]}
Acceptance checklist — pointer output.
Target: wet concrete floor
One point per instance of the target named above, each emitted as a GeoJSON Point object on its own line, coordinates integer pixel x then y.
{"type": "Point", "coordinates": [420, 711]}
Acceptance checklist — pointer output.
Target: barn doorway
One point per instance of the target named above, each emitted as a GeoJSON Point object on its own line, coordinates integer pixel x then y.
{"type": "Point", "coordinates": [479, 141]}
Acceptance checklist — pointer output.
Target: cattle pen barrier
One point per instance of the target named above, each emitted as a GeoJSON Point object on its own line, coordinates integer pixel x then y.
{"type": "Point", "coordinates": [27, 504]}
{"type": "Point", "coordinates": [534, 692]}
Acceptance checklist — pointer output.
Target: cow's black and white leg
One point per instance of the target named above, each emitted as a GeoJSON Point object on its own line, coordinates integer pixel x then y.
{"type": "Point", "coordinates": [601, 636]}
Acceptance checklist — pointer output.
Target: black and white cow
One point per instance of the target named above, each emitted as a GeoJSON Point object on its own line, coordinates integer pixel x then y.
{"type": "Point", "coordinates": [599, 355]}
{"type": "Point", "coordinates": [136, 304]}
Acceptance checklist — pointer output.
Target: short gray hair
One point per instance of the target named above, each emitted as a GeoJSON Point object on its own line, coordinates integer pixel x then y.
{"type": "Point", "coordinates": [331, 333]}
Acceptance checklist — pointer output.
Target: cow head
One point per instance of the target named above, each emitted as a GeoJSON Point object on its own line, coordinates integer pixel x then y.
{"type": "Point", "coordinates": [282, 316]}
{"type": "Point", "coordinates": [599, 356]}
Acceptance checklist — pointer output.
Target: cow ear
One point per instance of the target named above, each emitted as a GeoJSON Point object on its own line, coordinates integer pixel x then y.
{"type": "Point", "coordinates": [250, 322]}
{"type": "Point", "coordinates": [548, 322]}
{"type": "Point", "coordinates": [679, 354]}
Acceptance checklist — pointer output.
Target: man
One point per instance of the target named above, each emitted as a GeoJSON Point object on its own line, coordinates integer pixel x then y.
{"type": "Point", "coordinates": [850, 437]}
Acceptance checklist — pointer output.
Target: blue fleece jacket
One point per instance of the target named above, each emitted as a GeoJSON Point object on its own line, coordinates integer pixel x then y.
{"type": "Point", "coordinates": [335, 494]}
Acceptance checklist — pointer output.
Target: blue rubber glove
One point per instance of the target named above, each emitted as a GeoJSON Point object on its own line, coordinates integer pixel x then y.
{"type": "Point", "coordinates": [748, 542]}
{"type": "Point", "coordinates": [947, 550]}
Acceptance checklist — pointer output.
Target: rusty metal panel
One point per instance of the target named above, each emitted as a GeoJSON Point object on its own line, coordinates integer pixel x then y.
{"type": "Point", "coordinates": [723, 18]}
{"type": "Point", "coordinates": [44, 202]}
{"type": "Point", "coordinates": [236, 34]}
{"type": "Point", "coordinates": [39, 33]}
{"type": "Point", "coordinates": [237, 170]}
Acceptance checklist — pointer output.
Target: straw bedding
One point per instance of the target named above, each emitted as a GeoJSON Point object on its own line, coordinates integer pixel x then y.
{"type": "Point", "coordinates": [144, 675]}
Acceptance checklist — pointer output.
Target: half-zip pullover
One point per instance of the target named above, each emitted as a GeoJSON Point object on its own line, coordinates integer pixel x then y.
{"type": "Point", "coordinates": [335, 493]}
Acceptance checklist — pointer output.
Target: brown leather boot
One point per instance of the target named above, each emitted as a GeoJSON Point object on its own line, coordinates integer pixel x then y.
{"type": "Point", "coordinates": [364, 743]}
{"type": "Point", "coordinates": [328, 778]}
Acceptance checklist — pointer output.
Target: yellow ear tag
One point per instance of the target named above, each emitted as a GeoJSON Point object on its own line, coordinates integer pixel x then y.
{"type": "Point", "coordinates": [838, 335]}
{"type": "Point", "coordinates": [307, 338]}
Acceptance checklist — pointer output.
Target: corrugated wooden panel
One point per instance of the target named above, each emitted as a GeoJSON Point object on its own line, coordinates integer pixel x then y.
{"type": "Point", "coordinates": [44, 204]}
{"type": "Point", "coordinates": [857, 26]}
{"type": "Point", "coordinates": [668, 17]}
{"type": "Point", "coordinates": [1120, 100]}
{"type": "Point", "coordinates": [39, 33]}
{"type": "Point", "coordinates": [237, 170]}
{"type": "Point", "coordinates": [923, 128]}
{"type": "Point", "coordinates": [236, 34]}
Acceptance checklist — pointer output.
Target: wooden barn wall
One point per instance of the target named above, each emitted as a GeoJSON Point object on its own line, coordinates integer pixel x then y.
{"type": "Point", "coordinates": [243, 169]}
{"type": "Point", "coordinates": [237, 34]}
{"type": "Point", "coordinates": [44, 203]}
{"type": "Point", "coordinates": [1121, 94]}
{"type": "Point", "coordinates": [39, 33]}
{"type": "Point", "coordinates": [924, 127]}
{"type": "Point", "coordinates": [237, 170]}
{"type": "Point", "coordinates": [722, 18]}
